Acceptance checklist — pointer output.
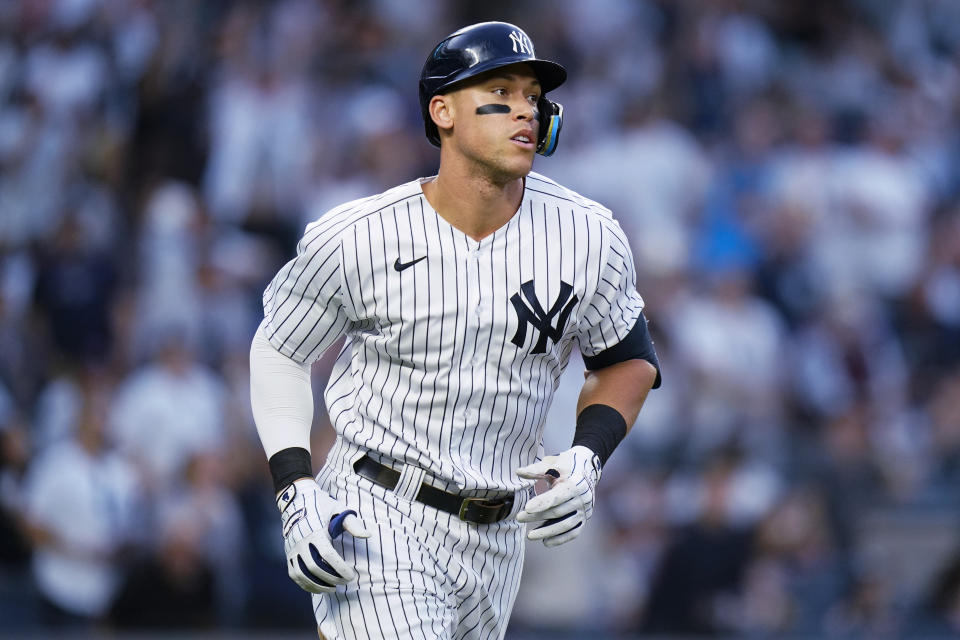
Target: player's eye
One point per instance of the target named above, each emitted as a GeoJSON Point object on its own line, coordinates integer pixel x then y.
{"type": "Point", "coordinates": [533, 98]}
{"type": "Point", "coordinates": [500, 91]}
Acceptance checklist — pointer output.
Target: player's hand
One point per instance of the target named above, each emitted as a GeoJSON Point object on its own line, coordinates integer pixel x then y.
{"type": "Point", "coordinates": [311, 519]}
{"type": "Point", "coordinates": [561, 511]}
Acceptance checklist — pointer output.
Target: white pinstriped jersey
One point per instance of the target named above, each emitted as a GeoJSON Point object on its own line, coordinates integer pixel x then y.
{"type": "Point", "coordinates": [454, 346]}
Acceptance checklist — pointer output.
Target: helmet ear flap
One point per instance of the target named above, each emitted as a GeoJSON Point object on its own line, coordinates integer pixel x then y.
{"type": "Point", "coordinates": [551, 121]}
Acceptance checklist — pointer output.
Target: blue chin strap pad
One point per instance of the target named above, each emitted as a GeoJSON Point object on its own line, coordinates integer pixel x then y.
{"type": "Point", "coordinates": [551, 121]}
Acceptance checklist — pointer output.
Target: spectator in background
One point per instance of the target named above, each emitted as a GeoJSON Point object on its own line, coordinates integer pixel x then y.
{"type": "Point", "coordinates": [655, 172]}
{"type": "Point", "coordinates": [638, 535]}
{"type": "Point", "coordinates": [194, 576]}
{"type": "Point", "coordinates": [81, 506]}
{"type": "Point", "coordinates": [867, 610]}
{"type": "Point", "coordinates": [877, 234]}
{"type": "Point", "coordinates": [260, 149]}
{"type": "Point", "coordinates": [928, 318]}
{"type": "Point", "coordinates": [171, 248]}
{"type": "Point", "coordinates": [23, 351]}
{"type": "Point", "coordinates": [940, 431]}
{"type": "Point", "coordinates": [17, 597]}
{"type": "Point", "coordinates": [75, 289]}
{"type": "Point", "coordinates": [846, 354]}
{"type": "Point", "coordinates": [701, 572]}
{"type": "Point", "coordinates": [798, 199]}
{"type": "Point", "coordinates": [730, 342]}
{"type": "Point", "coordinates": [167, 411]}
{"type": "Point", "coordinates": [14, 457]}
{"type": "Point", "coordinates": [737, 202]}
{"type": "Point", "coordinates": [173, 589]}
{"type": "Point", "coordinates": [938, 613]}
{"type": "Point", "coordinates": [67, 72]}
{"type": "Point", "coordinates": [37, 157]}
{"type": "Point", "coordinates": [796, 572]}
{"type": "Point", "coordinates": [847, 470]}
{"type": "Point", "coordinates": [260, 113]}
{"type": "Point", "coordinates": [226, 313]}
{"type": "Point", "coordinates": [216, 533]}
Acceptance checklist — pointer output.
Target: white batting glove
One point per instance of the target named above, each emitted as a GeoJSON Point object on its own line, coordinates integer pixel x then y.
{"type": "Point", "coordinates": [562, 510]}
{"type": "Point", "coordinates": [311, 519]}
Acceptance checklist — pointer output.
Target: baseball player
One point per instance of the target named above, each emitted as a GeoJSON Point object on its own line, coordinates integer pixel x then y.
{"type": "Point", "coordinates": [461, 297]}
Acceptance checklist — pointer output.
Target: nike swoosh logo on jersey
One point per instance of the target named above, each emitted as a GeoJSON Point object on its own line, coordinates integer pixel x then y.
{"type": "Point", "coordinates": [400, 266]}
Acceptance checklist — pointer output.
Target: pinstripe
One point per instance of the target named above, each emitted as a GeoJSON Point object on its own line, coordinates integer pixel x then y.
{"type": "Point", "coordinates": [513, 436]}
{"type": "Point", "coordinates": [397, 618]}
{"type": "Point", "coordinates": [465, 632]}
{"type": "Point", "coordinates": [270, 297]}
{"type": "Point", "coordinates": [474, 263]}
{"type": "Point", "coordinates": [472, 271]}
{"type": "Point", "coordinates": [392, 368]}
{"type": "Point", "coordinates": [306, 287]}
{"type": "Point", "coordinates": [456, 332]}
{"type": "Point", "coordinates": [335, 217]}
{"type": "Point", "coordinates": [409, 428]}
{"type": "Point", "coordinates": [445, 431]}
{"type": "Point", "coordinates": [355, 593]}
{"type": "Point", "coordinates": [497, 573]}
{"type": "Point", "coordinates": [352, 309]}
{"type": "Point", "coordinates": [537, 365]}
{"type": "Point", "coordinates": [430, 375]}
{"type": "Point", "coordinates": [342, 597]}
{"type": "Point", "coordinates": [495, 415]}
{"type": "Point", "coordinates": [303, 248]}
{"type": "Point", "coordinates": [496, 395]}
{"type": "Point", "coordinates": [398, 553]}
{"type": "Point", "coordinates": [523, 364]}
{"type": "Point", "coordinates": [463, 545]}
{"type": "Point", "coordinates": [431, 571]}
{"type": "Point", "coordinates": [416, 303]}
{"type": "Point", "coordinates": [508, 593]}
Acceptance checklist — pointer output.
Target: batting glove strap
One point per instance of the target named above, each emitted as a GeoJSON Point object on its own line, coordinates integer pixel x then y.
{"type": "Point", "coordinates": [306, 513]}
{"type": "Point", "coordinates": [560, 512]}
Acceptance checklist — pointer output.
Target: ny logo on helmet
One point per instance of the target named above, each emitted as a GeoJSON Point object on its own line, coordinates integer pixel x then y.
{"type": "Point", "coordinates": [538, 318]}
{"type": "Point", "coordinates": [521, 43]}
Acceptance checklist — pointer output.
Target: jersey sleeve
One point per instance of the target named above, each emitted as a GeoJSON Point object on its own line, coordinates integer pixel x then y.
{"type": "Point", "coordinates": [616, 305]}
{"type": "Point", "coordinates": [303, 305]}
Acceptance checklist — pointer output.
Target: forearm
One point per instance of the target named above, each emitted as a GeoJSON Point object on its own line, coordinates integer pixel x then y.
{"type": "Point", "coordinates": [623, 386]}
{"type": "Point", "coordinates": [281, 397]}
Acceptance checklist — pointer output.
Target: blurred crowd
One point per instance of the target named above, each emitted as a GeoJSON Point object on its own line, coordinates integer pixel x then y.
{"type": "Point", "coordinates": [788, 174]}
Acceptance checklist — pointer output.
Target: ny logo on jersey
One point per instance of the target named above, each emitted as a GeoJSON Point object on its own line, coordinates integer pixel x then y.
{"type": "Point", "coordinates": [521, 43]}
{"type": "Point", "coordinates": [540, 320]}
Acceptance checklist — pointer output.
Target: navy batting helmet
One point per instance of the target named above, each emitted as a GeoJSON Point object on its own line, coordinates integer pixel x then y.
{"type": "Point", "coordinates": [482, 47]}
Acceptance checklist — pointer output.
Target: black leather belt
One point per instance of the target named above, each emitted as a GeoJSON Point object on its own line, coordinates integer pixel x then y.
{"type": "Point", "coordinates": [477, 510]}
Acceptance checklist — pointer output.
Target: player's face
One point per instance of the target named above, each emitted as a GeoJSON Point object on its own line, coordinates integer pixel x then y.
{"type": "Point", "coordinates": [496, 120]}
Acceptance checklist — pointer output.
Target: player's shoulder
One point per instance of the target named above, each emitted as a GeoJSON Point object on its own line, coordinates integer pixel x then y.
{"type": "Point", "coordinates": [542, 187]}
{"type": "Point", "coordinates": [347, 215]}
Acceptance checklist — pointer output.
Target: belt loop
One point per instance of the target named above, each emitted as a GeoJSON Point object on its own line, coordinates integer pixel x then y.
{"type": "Point", "coordinates": [410, 480]}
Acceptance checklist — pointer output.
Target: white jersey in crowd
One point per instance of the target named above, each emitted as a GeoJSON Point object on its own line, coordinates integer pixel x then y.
{"type": "Point", "coordinates": [454, 346]}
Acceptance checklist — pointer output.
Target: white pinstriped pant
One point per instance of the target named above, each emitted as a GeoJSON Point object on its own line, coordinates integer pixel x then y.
{"type": "Point", "coordinates": [424, 574]}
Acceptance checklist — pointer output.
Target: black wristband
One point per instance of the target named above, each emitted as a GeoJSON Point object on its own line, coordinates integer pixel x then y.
{"type": "Point", "coordinates": [600, 428]}
{"type": "Point", "coordinates": [288, 465]}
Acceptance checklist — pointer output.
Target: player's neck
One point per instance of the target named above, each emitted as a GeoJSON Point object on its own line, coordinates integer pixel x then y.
{"type": "Point", "coordinates": [474, 204]}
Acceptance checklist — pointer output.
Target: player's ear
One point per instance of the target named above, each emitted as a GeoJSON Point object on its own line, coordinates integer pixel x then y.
{"type": "Point", "coordinates": [441, 110]}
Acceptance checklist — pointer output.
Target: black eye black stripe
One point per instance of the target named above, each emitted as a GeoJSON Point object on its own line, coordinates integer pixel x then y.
{"type": "Point", "coordinates": [487, 109]}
